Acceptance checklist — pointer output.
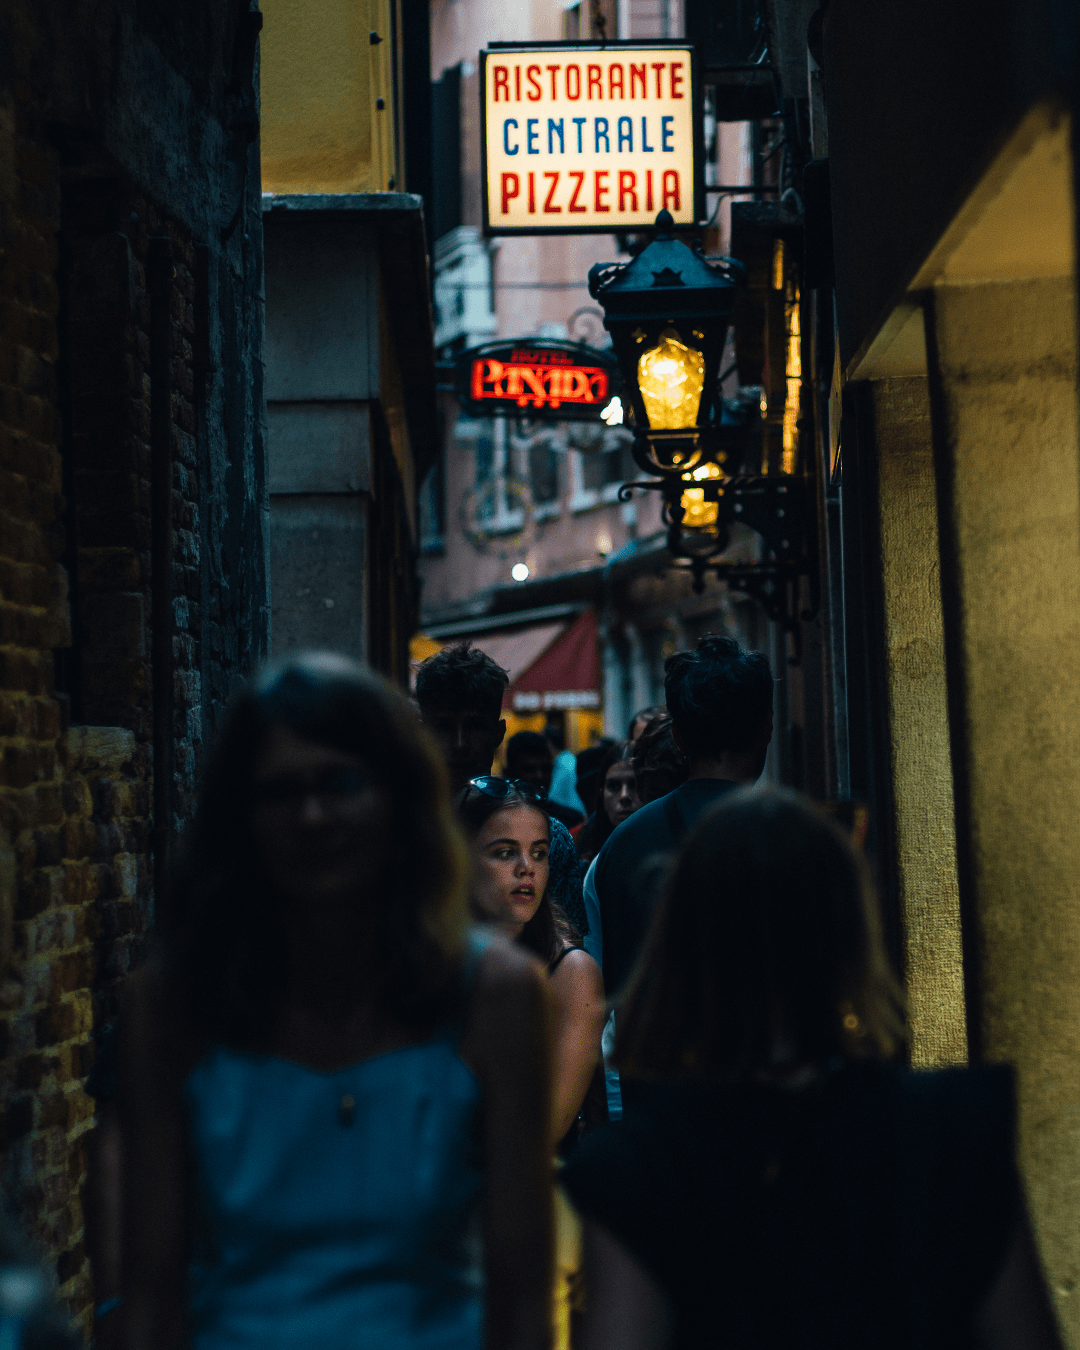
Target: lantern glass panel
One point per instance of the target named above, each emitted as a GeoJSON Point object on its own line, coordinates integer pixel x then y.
{"type": "Point", "coordinates": [700, 514]}
{"type": "Point", "coordinates": [671, 377]}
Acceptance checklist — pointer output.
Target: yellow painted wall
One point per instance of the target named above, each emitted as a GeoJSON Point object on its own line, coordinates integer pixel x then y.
{"type": "Point", "coordinates": [584, 727]}
{"type": "Point", "coordinates": [320, 79]}
{"type": "Point", "coordinates": [919, 723]}
{"type": "Point", "coordinates": [1008, 367]}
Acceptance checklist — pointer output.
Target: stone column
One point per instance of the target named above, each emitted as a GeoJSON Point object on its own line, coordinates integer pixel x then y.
{"type": "Point", "coordinates": [923, 823]}
{"type": "Point", "coordinates": [1003, 368]}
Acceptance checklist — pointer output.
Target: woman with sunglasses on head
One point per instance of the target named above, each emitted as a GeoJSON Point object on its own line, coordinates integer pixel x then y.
{"type": "Point", "coordinates": [511, 836]}
{"type": "Point", "coordinates": [334, 1096]}
{"type": "Point", "coordinates": [787, 1182]}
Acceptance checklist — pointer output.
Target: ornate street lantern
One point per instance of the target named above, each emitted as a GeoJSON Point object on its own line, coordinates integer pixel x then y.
{"type": "Point", "coordinates": [668, 312]}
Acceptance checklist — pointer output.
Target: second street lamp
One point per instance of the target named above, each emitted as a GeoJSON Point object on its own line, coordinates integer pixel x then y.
{"type": "Point", "coordinates": [668, 311]}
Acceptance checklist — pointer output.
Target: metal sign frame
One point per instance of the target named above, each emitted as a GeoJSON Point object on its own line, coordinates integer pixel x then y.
{"type": "Point", "coordinates": [580, 356]}
{"type": "Point", "coordinates": [697, 113]}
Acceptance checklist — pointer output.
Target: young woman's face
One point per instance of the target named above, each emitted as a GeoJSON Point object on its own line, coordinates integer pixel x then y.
{"type": "Point", "coordinates": [511, 871]}
{"type": "Point", "coordinates": [318, 820]}
{"type": "Point", "coordinates": [620, 798]}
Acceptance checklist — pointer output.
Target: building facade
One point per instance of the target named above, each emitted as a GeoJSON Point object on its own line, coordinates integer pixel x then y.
{"type": "Point", "coordinates": [350, 375]}
{"type": "Point", "coordinates": [522, 529]}
{"type": "Point", "coordinates": [939, 313]}
{"type": "Point", "coordinates": [133, 579]}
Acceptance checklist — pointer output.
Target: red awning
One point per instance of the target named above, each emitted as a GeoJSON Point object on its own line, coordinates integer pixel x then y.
{"type": "Point", "coordinates": [516, 651]}
{"type": "Point", "coordinates": [566, 674]}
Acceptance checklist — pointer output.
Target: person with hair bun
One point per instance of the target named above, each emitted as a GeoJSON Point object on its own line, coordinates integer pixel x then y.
{"type": "Point", "coordinates": [720, 701]}
{"type": "Point", "coordinates": [334, 1095]}
{"type": "Point", "coordinates": [786, 1182]}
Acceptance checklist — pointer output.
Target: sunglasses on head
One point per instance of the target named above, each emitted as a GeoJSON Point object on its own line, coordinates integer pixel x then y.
{"type": "Point", "coordinates": [491, 786]}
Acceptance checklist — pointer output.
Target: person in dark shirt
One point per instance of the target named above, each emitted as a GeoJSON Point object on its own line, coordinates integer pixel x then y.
{"type": "Point", "coordinates": [589, 765]}
{"type": "Point", "coordinates": [788, 1182]}
{"type": "Point", "coordinates": [720, 700]}
{"type": "Point", "coordinates": [529, 757]}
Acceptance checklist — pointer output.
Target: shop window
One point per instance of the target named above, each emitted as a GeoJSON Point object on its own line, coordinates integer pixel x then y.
{"type": "Point", "coordinates": [497, 501]}
{"type": "Point", "coordinates": [597, 475]}
{"type": "Point", "coordinates": [543, 460]}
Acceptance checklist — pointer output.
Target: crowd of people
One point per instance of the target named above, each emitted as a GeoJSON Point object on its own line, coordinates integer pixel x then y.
{"type": "Point", "coordinates": [424, 1057]}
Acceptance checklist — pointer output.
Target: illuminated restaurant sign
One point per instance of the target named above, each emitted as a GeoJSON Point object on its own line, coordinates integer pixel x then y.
{"type": "Point", "coordinates": [579, 138]}
{"type": "Point", "coordinates": [545, 379]}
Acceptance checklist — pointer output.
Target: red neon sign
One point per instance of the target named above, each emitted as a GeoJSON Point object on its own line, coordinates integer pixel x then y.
{"type": "Point", "coordinates": [539, 378]}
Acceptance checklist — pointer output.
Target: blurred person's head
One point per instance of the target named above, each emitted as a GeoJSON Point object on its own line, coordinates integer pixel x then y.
{"type": "Point", "coordinates": [459, 692]}
{"type": "Point", "coordinates": [589, 764]}
{"type": "Point", "coordinates": [766, 955]}
{"type": "Point", "coordinates": [658, 763]}
{"type": "Point", "coordinates": [720, 700]}
{"type": "Point", "coordinates": [641, 720]}
{"type": "Point", "coordinates": [510, 834]}
{"type": "Point", "coordinates": [616, 800]}
{"type": "Point", "coordinates": [322, 796]}
{"type": "Point", "coordinates": [619, 794]}
{"type": "Point", "coordinates": [553, 730]}
{"type": "Point", "coordinates": [529, 756]}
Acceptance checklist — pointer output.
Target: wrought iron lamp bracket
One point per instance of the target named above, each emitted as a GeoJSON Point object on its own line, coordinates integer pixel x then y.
{"type": "Point", "coordinates": [776, 507]}
{"type": "Point", "coordinates": [773, 505]}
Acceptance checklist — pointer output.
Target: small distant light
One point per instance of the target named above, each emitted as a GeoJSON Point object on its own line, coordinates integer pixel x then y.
{"type": "Point", "coordinates": [520, 572]}
{"type": "Point", "coordinates": [603, 544]}
{"type": "Point", "coordinates": [613, 413]}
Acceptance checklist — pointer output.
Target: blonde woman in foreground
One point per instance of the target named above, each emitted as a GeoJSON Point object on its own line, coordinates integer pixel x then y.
{"type": "Point", "coordinates": [334, 1094]}
{"type": "Point", "coordinates": [784, 1181]}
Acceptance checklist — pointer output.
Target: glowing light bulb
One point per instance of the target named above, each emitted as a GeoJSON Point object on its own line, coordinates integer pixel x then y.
{"type": "Point", "coordinates": [520, 571]}
{"type": "Point", "coordinates": [671, 376]}
{"type": "Point", "coordinates": [613, 413]}
{"type": "Point", "coordinates": [700, 514]}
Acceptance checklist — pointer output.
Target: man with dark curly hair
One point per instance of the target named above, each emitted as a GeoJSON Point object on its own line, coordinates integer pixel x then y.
{"type": "Point", "coordinates": [720, 700]}
{"type": "Point", "coordinates": [460, 693]}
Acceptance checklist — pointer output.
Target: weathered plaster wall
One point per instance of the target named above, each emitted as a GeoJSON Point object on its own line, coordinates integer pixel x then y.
{"type": "Point", "coordinates": [919, 723]}
{"type": "Point", "coordinates": [330, 119]}
{"type": "Point", "coordinates": [1007, 366]}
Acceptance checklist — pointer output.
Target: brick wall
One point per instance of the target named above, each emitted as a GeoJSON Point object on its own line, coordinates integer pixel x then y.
{"type": "Point", "coordinates": [54, 868]}
{"type": "Point", "coordinates": [111, 368]}
{"type": "Point", "coordinates": [74, 802]}
{"type": "Point", "coordinates": [132, 508]}
{"type": "Point", "coordinates": [80, 835]}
